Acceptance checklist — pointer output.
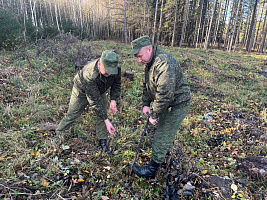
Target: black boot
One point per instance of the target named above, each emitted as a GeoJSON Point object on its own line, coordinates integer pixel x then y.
{"type": "Point", "coordinates": [147, 171]}
{"type": "Point", "coordinates": [103, 145]}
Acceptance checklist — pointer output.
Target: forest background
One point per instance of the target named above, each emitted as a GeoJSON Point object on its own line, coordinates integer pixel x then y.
{"type": "Point", "coordinates": [222, 24]}
{"type": "Point", "coordinates": [220, 150]}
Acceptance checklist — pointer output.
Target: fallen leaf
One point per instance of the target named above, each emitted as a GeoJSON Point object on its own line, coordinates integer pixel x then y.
{"type": "Point", "coordinates": [234, 187]}
{"type": "Point", "coordinates": [37, 154]}
{"type": "Point", "coordinates": [46, 183]}
{"type": "Point", "coordinates": [240, 195]}
{"type": "Point", "coordinates": [80, 180]}
{"type": "Point", "coordinates": [111, 190]}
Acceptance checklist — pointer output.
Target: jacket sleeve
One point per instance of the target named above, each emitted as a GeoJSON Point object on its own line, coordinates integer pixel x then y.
{"type": "Point", "coordinates": [145, 98]}
{"type": "Point", "coordinates": [93, 95]}
{"type": "Point", "coordinates": [165, 76]}
{"type": "Point", "coordinates": [115, 89]}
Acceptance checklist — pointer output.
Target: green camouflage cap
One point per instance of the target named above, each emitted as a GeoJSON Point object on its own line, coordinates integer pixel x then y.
{"type": "Point", "coordinates": [110, 61]}
{"type": "Point", "coordinates": [139, 43]}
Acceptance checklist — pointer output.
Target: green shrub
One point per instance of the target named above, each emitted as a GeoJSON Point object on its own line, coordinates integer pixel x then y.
{"type": "Point", "coordinates": [68, 26]}
{"type": "Point", "coordinates": [49, 32]}
{"type": "Point", "coordinates": [10, 31]}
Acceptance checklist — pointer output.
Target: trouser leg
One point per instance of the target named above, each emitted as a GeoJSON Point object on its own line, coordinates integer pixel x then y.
{"type": "Point", "coordinates": [101, 129]}
{"type": "Point", "coordinates": [78, 102]}
{"type": "Point", "coordinates": [167, 128]}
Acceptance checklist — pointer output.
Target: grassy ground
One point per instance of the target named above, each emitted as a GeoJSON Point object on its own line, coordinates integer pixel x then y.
{"type": "Point", "coordinates": [228, 99]}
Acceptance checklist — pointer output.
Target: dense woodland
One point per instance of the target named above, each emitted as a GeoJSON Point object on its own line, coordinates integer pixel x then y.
{"type": "Point", "coordinates": [223, 24]}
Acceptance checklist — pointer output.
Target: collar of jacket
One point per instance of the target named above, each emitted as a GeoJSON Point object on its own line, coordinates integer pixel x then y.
{"type": "Point", "coordinates": [155, 48]}
{"type": "Point", "coordinates": [96, 72]}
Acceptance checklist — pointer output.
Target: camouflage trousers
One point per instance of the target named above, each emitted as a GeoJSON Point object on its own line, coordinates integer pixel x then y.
{"type": "Point", "coordinates": [78, 102]}
{"type": "Point", "coordinates": [167, 127]}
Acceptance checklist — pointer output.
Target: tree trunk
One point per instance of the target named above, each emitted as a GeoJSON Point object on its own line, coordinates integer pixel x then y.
{"type": "Point", "coordinates": [144, 20]}
{"type": "Point", "coordinates": [160, 22]}
{"type": "Point", "coordinates": [32, 13]}
{"type": "Point", "coordinates": [265, 45]}
{"type": "Point", "coordinates": [233, 34]}
{"type": "Point", "coordinates": [246, 27]}
{"type": "Point", "coordinates": [239, 27]}
{"type": "Point", "coordinates": [252, 27]}
{"type": "Point", "coordinates": [148, 19]}
{"type": "Point", "coordinates": [55, 4]}
{"type": "Point", "coordinates": [20, 7]}
{"type": "Point", "coordinates": [41, 16]}
{"type": "Point", "coordinates": [74, 13]}
{"type": "Point", "coordinates": [125, 22]}
{"type": "Point", "coordinates": [264, 31]}
{"type": "Point", "coordinates": [155, 22]}
{"type": "Point", "coordinates": [217, 24]}
{"type": "Point", "coordinates": [256, 40]}
{"type": "Point", "coordinates": [81, 16]}
{"type": "Point", "coordinates": [60, 17]}
{"type": "Point", "coordinates": [46, 13]}
{"type": "Point", "coordinates": [204, 25]}
{"type": "Point", "coordinates": [211, 19]}
{"type": "Point", "coordinates": [228, 27]}
{"type": "Point", "coordinates": [50, 8]}
{"type": "Point", "coordinates": [199, 24]}
{"type": "Point", "coordinates": [93, 20]}
{"type": "Point", "coordinates": [175, 22]}
{"type": "Point", "coordinates": [221, 26]}
{"type": "Point", "coordinates": [184, 24]}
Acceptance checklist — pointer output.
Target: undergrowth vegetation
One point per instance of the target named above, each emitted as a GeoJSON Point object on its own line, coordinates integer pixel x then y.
{"type": "Point", "coordinates": [228, 101]}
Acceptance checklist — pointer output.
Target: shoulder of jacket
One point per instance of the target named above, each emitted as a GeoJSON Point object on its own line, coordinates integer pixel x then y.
{"type": "Point", "coordinates": [164, 57]}
{"type": "Point", "coordinates": [89, 70]}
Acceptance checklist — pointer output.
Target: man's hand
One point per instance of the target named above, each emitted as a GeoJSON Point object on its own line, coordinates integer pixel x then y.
{"type": "Point", "coordinates": [113, 106]}
{"type": "Point", "coordinates": [146, 110]}
{"type": "Point", "coordinates": [110, 127]}
{"type": "Point", "coordinates": [153, 121]}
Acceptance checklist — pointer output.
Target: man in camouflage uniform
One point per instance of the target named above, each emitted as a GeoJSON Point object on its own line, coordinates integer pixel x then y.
{"type": "Point", "coordinates": [90, 86]}
{"type": "Point", "coordinates": [166, 87]}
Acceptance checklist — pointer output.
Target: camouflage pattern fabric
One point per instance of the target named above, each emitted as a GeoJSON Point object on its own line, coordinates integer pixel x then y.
{"type": "Point", "coordinates": [78, 102]}
{"type": "Point", "coordinates": [90, 88]}
{"type": "Point", "coordinates": [91, 82]}
{"type": "Point", "coordinates": [165, 86]}
{"type": "Point", "coordinates": [165, 83]}
{"type": "Point", "coordinates": [167, 127]}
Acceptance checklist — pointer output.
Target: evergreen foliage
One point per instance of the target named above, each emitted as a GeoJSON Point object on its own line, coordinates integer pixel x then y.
{"type": "Point", "coordinates": [10, 34]}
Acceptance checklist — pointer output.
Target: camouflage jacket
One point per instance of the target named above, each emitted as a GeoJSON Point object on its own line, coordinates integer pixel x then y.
{"type": "Point", "coordinates": [90, 81]}
{"type": "Point", "coordinates": [165, 85]}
